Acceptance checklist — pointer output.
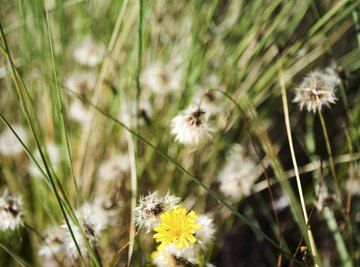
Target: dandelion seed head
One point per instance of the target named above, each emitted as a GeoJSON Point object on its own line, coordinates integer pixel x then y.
{"type": "Point", "coordinates": [54, 244]}
{"type": "Point", "coordinates": [93, 218]}
{"type": "Point", "coordinates": [10, 146]}
{"type": "Point", "coordinates": [324, 197]}
{"type": "Point", "coordinates": [237, 176]}
{"type": "Point", "coordinates": [114, 168]}
{"type": "Point", "coordinates": [317, 90]}
{"type": "Point", "coordinates": [70, 246]}
{"type": "Point", "coordinates": [79, 112]}
{"type": "Point", "coordinates": [147, 212]}
{"type": "Point", "coordinates": [171, 256]}
{"type": "Point", "coordinates": [89, 53]}
{"type": "Point", "coordinates": [192, 127]}
{"type": "Point", "coordinates": [96, 214]}
{"type": "Point", "coordinates": [11, 212]}
{"type": "Point", "coordinates": [82, 82]}
{"type": "Point", "coordinates": [161, 79]}
{"type": "Point", "coordinates": [177, 228]}
{"type": "Point", "coordinates": [207, 231]}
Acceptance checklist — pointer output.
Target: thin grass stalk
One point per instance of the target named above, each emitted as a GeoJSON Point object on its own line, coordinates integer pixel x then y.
{"type": "Point", "coordinates": [114, 260]}
{"type": "Point", "coordinates": [43, 240]}
{"type": "Point", "coordinates": [341, 159]}
{"type": "Point", "coordinates": [327, 17]}
{"type": "Point", "coordinates": [134, 151]}
{"type": "Point", "coordinates": [48, 182]}
{"type": "Point", "coordinates": [328, 213]}
{"type": "Point", "coordinates": [139, 62]}
{"type": "Point", "coordinates": [352, 167]}
{"type": "Point", "coordinates": [133, 173]}
{"type": "Point", "coordinates": [269, 149]}
{"type": "Point", "coordinates": [342, 85]}
{"type": "Point", "coordinates": [353, 136]}
{"type": "Point", "coordinates": [293, 157]}
{"type": "Point", "coordinates": [329, 151]}
{"type": "Point", "coordinates": [357, 24]}
{"type": "Point", "coordinates": [106, 66]}
{"type": "Point", "coordinates": [27, 151]}
{"type": "Point", "coordinates": [65, 137]}
{"type": "Point", "coordinates": [20, 87]}
{"type": "Point", "coordinates": [20, 261]}
{"type": "Point", "coordinates": [339, 241]}
{"type": "Point", "coordinates": [32, 158]}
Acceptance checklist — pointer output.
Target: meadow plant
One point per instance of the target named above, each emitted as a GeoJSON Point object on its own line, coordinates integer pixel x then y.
{"type": "Point", "coordinates": [179, 133]}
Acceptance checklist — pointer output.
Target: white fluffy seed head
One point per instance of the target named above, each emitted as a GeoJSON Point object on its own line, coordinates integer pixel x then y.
{"type": "Point", "coordinates": [317, 90]}
{"type": "Point", "coordinates": [89, 52]}
{"type": "Point", "coordinates": [59, 245]}
{"type": "Point", "coordinates": [207, 231]}
{"type": "Point", "coordinates": [147, 212]}
{"type": "Point", "coordinates": [70, 246]}
{"type": "Point", "coordinates": [192, 127]}
{"type": "Point", "coordinates": [81, 82]}
{"type": "Point", "coordinates": [97, 214]}
{"type": "Point", "coordinates": [79, 112]}
{"type": "Point", "coordinates": [9, 144]}
{"type": "Point", "coordinates": [114, 168]}
{"type": "Point", "coordinates": [53, 250]}
{"type": "Point", "coordinates": [11, 212]}
{"type": "Point", "coordinates": [161, 79]}
{"type": "Point", "coordinates": [172, 256]}
{"type": "Point", "coordinates": [238, 175]}
{"type": "Point", "coordinates": [54, 243]}
{"type": "Point", "coordinates": [324, 197]}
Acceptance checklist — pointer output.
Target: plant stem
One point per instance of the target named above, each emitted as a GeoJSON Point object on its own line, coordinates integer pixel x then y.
{"type": "Point", "coordinates": [328, 148]}
{"type": "Point", "coordinates": [339, 241]}
{"type": "Point", "coordinates": [135, 150]}
{"type": "Point", "coordinates": [297, 176]}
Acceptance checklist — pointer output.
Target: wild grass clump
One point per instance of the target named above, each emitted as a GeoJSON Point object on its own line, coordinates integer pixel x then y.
{"type": "Point", "coordinates": [179, 133]}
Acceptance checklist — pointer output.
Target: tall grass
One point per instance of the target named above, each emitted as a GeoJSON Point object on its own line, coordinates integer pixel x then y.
{"type": "Point", "coordinates": [247, 57]}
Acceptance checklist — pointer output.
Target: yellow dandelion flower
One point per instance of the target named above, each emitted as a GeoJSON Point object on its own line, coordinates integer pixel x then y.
{"type": "Point", "coordinates": [176, 227]}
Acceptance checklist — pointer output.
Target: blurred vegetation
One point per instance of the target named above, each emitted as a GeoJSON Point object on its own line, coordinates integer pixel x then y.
{"type": "Point", "coordinates": [241, 48]}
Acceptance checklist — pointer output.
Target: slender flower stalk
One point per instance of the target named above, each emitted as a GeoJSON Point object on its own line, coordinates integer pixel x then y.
{"type": "Point", "coordinates": [293, 157]}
